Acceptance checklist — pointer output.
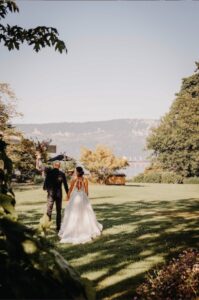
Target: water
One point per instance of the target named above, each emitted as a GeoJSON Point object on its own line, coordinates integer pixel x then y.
{"type": "Point", "coordinates": [135, 168]}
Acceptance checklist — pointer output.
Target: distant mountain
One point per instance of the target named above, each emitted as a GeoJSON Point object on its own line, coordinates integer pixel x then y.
{"type": "Point", "coordinates": [127, 137]}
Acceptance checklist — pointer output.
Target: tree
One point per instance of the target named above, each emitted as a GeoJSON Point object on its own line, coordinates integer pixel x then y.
{"type": "Point", "coordinates": [7, 107]}
{"type": "Point", "coordinates": [21, 153]}
{"type": "Point", "coordinates": [102, 162]}
{"type": "Point", "coordinates": [39, 37]}
{"type": "Point", "coordinates": [24, 157]}
{"type": "Point", "coordinates": [24, 255]}
{"type": "Point", "coordinates": [32, 269]}
{"type": "Point", "coordinates": [8, 112]}
{"type": "Point", "coordinates": [175, 142]}
{"type": "Point", "coordinates": [6, 169]}
{"type": "Point", "coordinates": [68, 166]}
{"type": "Point", "coordinates": [42, 154]}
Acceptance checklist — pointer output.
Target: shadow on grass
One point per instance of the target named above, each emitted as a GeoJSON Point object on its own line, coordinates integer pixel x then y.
{"type": "Point", "coordinates": [30, 203]}
{"type": "Point", "coordinates": [102, 197]}
{"type": "Point", "coordinates": [21, 187]}
{"type": "Point", "coordinates": [134, 185]}
{"type": "Point", "coordinates": [135, 234]}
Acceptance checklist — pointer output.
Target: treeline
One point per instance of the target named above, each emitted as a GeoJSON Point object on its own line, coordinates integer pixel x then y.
{"type": "Point", "coordinates": [175, 142]}
{"type": "Point", "coordinates": [20, 150]}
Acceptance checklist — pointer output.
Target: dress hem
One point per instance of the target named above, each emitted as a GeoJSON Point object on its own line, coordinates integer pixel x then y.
{"type": "Point", "coordinates": [83, 241]}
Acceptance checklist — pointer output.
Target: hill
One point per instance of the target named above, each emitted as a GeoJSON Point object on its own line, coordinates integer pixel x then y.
{"type": "Point", "coordinates": [126, 137]}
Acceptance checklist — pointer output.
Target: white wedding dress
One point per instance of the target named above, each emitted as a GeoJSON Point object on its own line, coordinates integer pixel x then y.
{"type": "Point", "coordinates": [79, 224]}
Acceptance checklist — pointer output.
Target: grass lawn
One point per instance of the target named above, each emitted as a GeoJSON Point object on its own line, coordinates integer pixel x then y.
{"type": "Point", "coordinates": [144, 225]}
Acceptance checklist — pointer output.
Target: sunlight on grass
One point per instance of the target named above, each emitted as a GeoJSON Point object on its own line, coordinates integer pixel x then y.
{"type": "Point", "coordinates": [94, 275]}
{"type": "Point", "coordinates": [89, 258]}
{"type": "Point", "coordinates": [133, 269]}
{"type": "Point", "coordinates": [143, 226]}
{"type": "Point", "coordinates": [119, 229]}
{"type": "Point", "coordinates": [146, 253]}
{"type": "Point", "coordinates": [148, 235]}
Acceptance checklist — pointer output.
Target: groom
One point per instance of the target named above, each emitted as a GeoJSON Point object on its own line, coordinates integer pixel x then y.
{"type": "Point", "coordinates": [53, 185]}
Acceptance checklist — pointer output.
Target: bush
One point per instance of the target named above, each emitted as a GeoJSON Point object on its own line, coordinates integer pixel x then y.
{"type": "Point", "coordinates": [139, 178]}
{"type": "Point", "coordinates": [158, 177]}
{"type": "Point", "coordinates": [191, 180]}
{"type": "Point", "coordinates": [152, 178]}
{"type": "Point", "coordinates": [171, 177]}
{"type": "Point", "coordinates": [148, 178]}
{"type": "Point", "coordinates": [38, 179]}
{"type": "Point", "coordinates": [7, 203]}
{"type": "Point", "coordinates": [177, 280]}
{"type": "Point", "coordinates": [30, 268]}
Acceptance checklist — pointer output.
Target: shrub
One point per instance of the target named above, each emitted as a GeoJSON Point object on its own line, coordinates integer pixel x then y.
{"type": "Point", "coordinates": [158, 177]}
{"type": "Point", "coordinates": [177, 280]}
{"type": "Point", "coordinates": [191, 180]}
{"type": "Point", "coordinates": [171, 177]}
{"type": "Point", "coordinates": [7, 203]}
{"type": "Point", "coordinates": [139, 178]}
{"type": "Point", "coordinates": [38, 179]}
{"type": "Point", "coordinates": [152, 177]}
{"type": "Point", "coordinates": [148, 177]}
{"type": "Point", "coordinates": [30, 268]}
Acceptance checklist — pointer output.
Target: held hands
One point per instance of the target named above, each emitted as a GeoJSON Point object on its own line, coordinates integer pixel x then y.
{"type": "Point", "coordinates": [67, 197]}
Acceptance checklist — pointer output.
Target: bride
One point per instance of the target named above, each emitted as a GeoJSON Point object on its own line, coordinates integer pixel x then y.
{"type": "Point", "coordinates": [79, 223]}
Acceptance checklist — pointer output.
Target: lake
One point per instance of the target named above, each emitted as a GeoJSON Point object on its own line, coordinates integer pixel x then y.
{"type": "Point", "coordinates": [135, 168]}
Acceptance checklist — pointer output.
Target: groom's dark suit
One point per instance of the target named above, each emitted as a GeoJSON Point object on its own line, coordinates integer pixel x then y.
{"type": "Point", "coordinates": [53, 184]}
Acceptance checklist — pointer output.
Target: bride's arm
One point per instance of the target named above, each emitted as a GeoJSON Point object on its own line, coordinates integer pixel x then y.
{"type": "Point", "coordinates": [86, 186]}
{"type": "Point", "coordinates": [70, 189]}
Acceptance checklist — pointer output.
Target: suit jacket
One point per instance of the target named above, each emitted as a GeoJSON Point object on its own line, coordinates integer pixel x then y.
{"type": "Point", "coordinates": [53, 183]}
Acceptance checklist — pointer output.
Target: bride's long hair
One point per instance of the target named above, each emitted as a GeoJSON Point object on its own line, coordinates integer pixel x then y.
{"type": "Point", "coordinates": [79, 171]}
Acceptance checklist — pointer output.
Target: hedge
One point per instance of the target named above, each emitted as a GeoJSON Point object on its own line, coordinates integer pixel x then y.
{"type": "Point", "coordinates": [191, 180]}
{"type": "Point", "coordinates": [158, 177]}
{"type": "Point", "coordinates": [179, 279]}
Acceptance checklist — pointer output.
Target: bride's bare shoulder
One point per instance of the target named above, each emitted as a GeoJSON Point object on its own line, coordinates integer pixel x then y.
{"type": "Point", "coordinates": [73, 180]}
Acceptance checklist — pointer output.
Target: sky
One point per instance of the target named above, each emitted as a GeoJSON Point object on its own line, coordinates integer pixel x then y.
{"type": "Point", "coordinates": [125, 59]}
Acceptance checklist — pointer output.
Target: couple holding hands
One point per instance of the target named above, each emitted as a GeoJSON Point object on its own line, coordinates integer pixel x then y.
{"type": "Point", "coordinates": [79, 224]}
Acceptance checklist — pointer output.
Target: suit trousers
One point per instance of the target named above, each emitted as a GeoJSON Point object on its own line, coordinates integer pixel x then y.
{"type": "Point", "coordinates": [57, 198]}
